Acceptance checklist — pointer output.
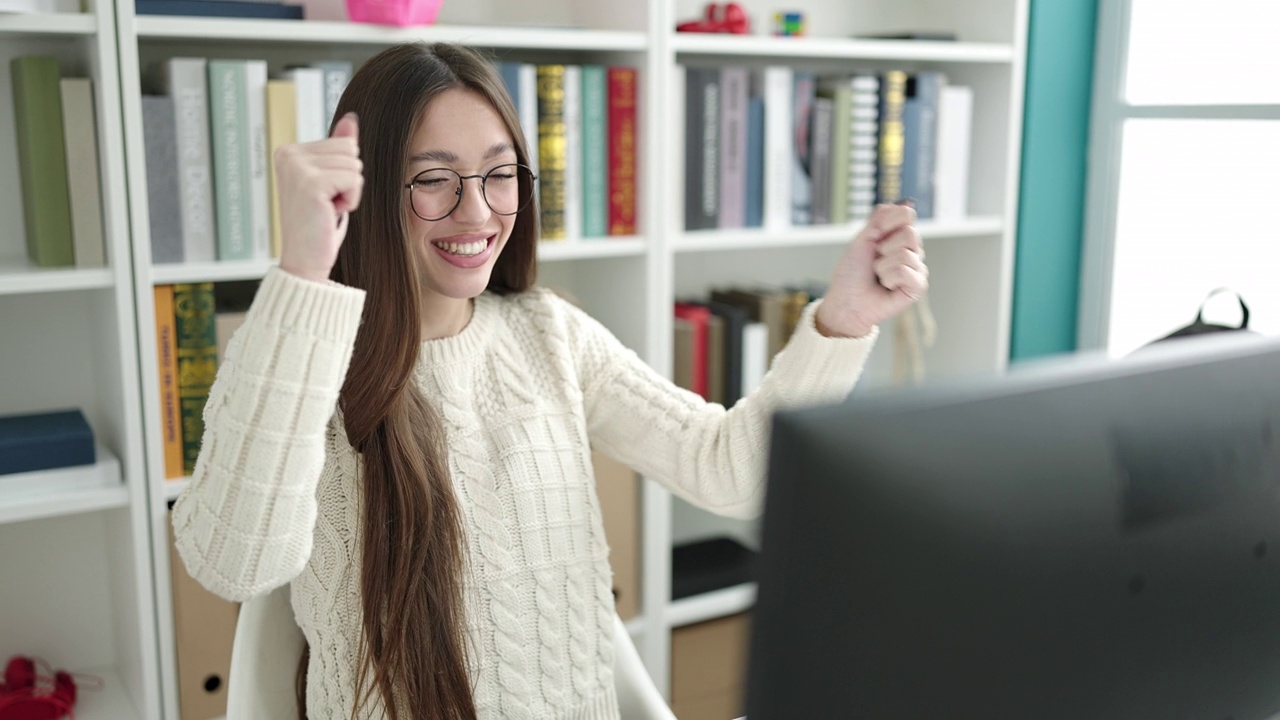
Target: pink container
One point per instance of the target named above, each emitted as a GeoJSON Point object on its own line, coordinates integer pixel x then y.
{"type": "Point", "coordinates": [394, 12]}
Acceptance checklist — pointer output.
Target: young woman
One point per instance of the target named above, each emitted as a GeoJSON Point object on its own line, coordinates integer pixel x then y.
{"type": "Point", "coordinates": [402, 429]}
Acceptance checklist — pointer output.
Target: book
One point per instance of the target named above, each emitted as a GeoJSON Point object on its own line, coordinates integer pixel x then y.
{"type": "Point", "coordinates": [820, 160]}
{"type": "Point", "coordinates": [734, 90]}
{"type": "Point", "coordinates": [697, 317]}
{"type": "Point", "coordinates": [197, 362]}
{"type": "Point", "coordinates": [573, 152]}
{"type": "Point", "coordinates": [187, 81]}
{"type": "Point", "coordinates": [622, 150]}
{"type": "Point", "coordinates": [551, 151]}
{"type": "Point", "coordinates": [955, 119]}
{"type": "Point", "coordinates": [893, 94]}
{"type": "Point", "coordinates": [734, 319]}
{"type": "Point", "coordinates": [920, 139]}
{"type": "Point", "coordinates": [42, 160]}
{"type": "Point", "coordinates": [840, 91]}
{"type": "Point", "coordinates": [308, 84]}
{"type": "Point", "coordinates": [803, 93]}
{"type": "Point", "coordinates": [715, 358]}
{"type": "Point", "coordinates": [864, 150]}
{"type": "Point", "coordinates": [706, 565]}
{"type": "Point", "coordinates": [753, 212]}
{"type": "Point", "coordinates": [31, 442]}
{"type": "Point", "coordinates": [167, 366]}
{"type": "Point", "coordinates": [777, 93]}
{"type": "Point", "coordinates": [702, 148]}
{"type": "Point", "coordinates": [595, 169]}
{"type": "Point", "coordinates": [84, 183]}
{"type": "Point", "coordinates": [229, 142]}
{"type": "Point", "coordinates": [219, 8]}
{"type": "Point", "coordinates": [164, 211]}
{"type": "Point", "coordinates": [337, 73]}
{"type": "Point", "coordinates": [282, 129]}
{"type": "Point", "coordinates": [255, 95]}
{"type": "Point", "coordinates": [763, 306]}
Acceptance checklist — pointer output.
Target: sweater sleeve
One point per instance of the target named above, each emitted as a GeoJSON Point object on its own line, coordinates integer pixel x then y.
{"type": "Point", "coordinates": [710, 456]}
{"type": "Point", "coordinates": [244, 524]}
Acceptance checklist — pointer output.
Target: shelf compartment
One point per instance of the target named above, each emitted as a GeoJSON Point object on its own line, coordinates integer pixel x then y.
{"type": "Point", "coordinates": [63, 491]}
{"type": "Point", "coordinates": [751, 46]}
{"type": "Point", "coordinates": [610, 247]}
{"type": "Point", "coordinates": [19, 276]}
{"type": "Point", "coordinates": [711, 605]}
{"type": "Point", "coordinates": [68, 24]}
{"type": "Point", "coordinates": [347, 33]}
{"type": "Point", "coordinates": [758, 238]}
{"type": "Point", "coordinates": [110, 703]}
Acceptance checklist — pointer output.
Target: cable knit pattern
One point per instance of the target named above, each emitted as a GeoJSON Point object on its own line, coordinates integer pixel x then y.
{"type": "Point", "coordinates": [525, 392]}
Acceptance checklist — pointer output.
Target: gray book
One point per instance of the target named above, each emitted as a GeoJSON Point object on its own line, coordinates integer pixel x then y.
{"type": "Point", "coordinates": [83, 183]}
{"type": "Point", "coordinates": [163, 208]}
{"type": "Point", "coordinates": [189, 87]}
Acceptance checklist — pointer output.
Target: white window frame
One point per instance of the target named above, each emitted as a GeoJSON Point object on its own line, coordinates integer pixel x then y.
{"type": "Point", "coordinates": [1109, 112]}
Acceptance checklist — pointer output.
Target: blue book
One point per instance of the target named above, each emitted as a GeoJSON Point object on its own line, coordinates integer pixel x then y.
{"type": "Point", "coordinates": [755, 162]}
{"type": "Point", "coordinates": [43, 441]}
{"type": "Point", "coordinates": [219, 8]}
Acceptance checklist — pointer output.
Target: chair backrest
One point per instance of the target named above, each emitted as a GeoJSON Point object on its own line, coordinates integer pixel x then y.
{"type": "Point", "coordinates": [268, 644]}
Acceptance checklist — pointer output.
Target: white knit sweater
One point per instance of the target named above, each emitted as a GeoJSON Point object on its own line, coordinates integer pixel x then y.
{"type": "Point", "coordinates": [526, 391]}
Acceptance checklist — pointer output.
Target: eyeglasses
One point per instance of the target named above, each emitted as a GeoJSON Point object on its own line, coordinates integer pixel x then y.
{"type": "Point", "coordinates": [435, 193]}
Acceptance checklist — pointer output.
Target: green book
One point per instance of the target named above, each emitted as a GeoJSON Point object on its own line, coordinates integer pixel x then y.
{"type": "Point", "coordinates": [595, 161]}
{"type": "Point", "coordinates": [194, 306]}
{"type": "Point", "coordinates": [42, 160]}
{"type": "Point", "coordinates": [842, 133]}
{"type": "Point", "coordinates": [229, 142]}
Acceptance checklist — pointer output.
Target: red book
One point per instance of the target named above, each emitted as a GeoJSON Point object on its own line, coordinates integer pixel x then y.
{"type": "Point", "coordinates": [622, 150]}
{"type": "Point", "coordinates": [697, 316]}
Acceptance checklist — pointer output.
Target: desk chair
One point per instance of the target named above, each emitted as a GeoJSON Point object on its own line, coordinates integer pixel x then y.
{"type": "Point", "coordinates": [268, 643]}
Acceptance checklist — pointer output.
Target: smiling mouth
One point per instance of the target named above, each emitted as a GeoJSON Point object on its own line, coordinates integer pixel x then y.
{"type": "Point", "coordinates": [463, 249]}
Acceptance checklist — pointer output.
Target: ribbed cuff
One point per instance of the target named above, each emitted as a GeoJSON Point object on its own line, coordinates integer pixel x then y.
{"type": "Point", "coordinates": [821, 368]}
{"type": "Point", "coordinates": [327, 310]}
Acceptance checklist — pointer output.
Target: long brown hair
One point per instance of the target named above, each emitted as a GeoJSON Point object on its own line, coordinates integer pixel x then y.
{"type": "Point", "coordinates": [413, 651]}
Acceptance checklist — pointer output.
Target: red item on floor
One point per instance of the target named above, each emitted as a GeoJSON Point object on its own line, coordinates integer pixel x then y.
{"type": "Point", "coordinates": [27, 694]}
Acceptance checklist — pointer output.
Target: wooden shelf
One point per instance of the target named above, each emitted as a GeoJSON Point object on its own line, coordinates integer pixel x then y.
{"type": "Point", "coordinates": [20, 277]}
{"type": "Point", "coordinates": [348, 33]}
{"type": "Point", "coordinates": [70, 24]}
{"type": "Point", "coordinates": [758, 238]}
{"type": "Point", "coordinates": [63, 491]}
{"type": "Point", "coordinates": [756, 46]}
{"type": "Point", "coordinates": [712, 605]}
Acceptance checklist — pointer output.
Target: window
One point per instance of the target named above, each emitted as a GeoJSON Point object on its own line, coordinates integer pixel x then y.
{"type": "Point", "coordinates": [1184, 181]}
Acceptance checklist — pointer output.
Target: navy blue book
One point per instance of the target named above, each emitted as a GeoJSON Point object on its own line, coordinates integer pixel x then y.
{"type": "Point", "coordinates": [218, 8]}
{"type": "Point", "coordinates": [43, 441]}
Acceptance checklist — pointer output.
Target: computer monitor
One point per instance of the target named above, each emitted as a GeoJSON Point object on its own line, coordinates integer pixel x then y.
{"type": "Point", "coordinates": [1088, 540]}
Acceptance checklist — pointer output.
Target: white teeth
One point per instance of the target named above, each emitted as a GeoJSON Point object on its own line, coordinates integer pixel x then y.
{"type": "Point", "coordinates": [464, 249]}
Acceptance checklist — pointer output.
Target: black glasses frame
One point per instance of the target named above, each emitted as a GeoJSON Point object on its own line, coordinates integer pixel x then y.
{"type": "Point", "coordinates": [484, 179]}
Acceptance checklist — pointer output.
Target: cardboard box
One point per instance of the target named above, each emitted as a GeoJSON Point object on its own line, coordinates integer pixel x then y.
{"type": "Point", "coordinates": [708, 669]}
{"type": "Point", "coordinates": [619, 490]}
{"type": "Point", "coordinates": [204, 627]}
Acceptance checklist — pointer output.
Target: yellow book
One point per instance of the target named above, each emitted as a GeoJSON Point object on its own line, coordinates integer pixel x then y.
{"type": "Point", "coordinates": [282, 129]}
{"type": "Point", "coordinates": [167, 362]}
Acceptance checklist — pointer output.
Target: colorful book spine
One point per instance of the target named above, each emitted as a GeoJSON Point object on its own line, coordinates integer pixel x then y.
{"type": "Point", "coordinates": [697, 316]}
{"type": "Point", "coordinates": [164, 211]}
{"type": "Point", "coordinates": [893, 95]}
{"type": "Point", "coordinates": [84, 186]}
{"type": "Point", "coordinates": [622, 150]}
{"type": "Point", "coordinates": [841, 94]}
{"type": "Point", "coordinates": [573, 152]}
{"type": "Point", "coordinates": [188, 82]}
{"type": "Point", "coordinates": [551, 151]}
{"type": "Point", "coordinates": [229, 134]}
{"type": "Point", "coordinates": [255, 103]}
{"type": "Point", "coordinates": [197, 361]}
{"type": "Point", "coordinates": [595, 171]}
{"type": "Point", "coordinates": [282, 128]}
{"type": "Point", "coordinates": [167, 363]}
{"type": "Point", "coordinates": [42, 160]}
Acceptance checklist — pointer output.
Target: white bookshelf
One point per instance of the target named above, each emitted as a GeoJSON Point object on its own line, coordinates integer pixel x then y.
{"type": "Point", "coordinates": [78, 584]}
{"type": "Point", "coordinates": [87, 337]}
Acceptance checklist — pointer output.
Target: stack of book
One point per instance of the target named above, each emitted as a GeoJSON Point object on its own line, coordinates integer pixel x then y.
{"type": "Point", "coordinates": [258, 9]}
{"type": "Point", "coordinates": [208, 141]}
{"type": "Point", "coordinates": [782, 147]}
{"type": "Point", "coordinates": [56, 133]}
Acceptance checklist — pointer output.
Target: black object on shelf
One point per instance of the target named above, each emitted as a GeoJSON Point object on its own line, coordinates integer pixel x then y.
{"type": "Point", "coordinates": [708, 565]}
{"type": "Point", "coordinates": [922, 35]}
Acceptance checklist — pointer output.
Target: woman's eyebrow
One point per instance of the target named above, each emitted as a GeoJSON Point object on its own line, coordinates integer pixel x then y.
{"type": "Point", "coordinates": [447, 156]}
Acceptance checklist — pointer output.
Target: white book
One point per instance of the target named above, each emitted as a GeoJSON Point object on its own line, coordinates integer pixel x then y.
{"type": "Point", "coordinates": [777, 147]}
{"type": "Point", "coordinates": [955, 121]}
{"type": "Point", "coordinates": [259, 191]}
{"type": "Point", "coordinates": [529, 111]}
{"type": "Point", "coordinates": [573, 152]}
{"type": "Point", "coordinates": [755, 355]}
{"type": "Point", "coordinates": [83, 182]}
{"type": "Point", "coordinates": [337, 73]}
{"type": "Point", "coordinates": [308, 83]}
{"type": "Point", "coordinates": [188, 84]}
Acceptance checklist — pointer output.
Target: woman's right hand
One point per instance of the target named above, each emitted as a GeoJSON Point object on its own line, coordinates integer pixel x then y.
{"type": "Point", "coordinates": [318, 184]}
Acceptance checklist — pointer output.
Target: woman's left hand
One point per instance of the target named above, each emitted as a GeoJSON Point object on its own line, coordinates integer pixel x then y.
{"type": "Point", "coordinates": [881, 273]}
